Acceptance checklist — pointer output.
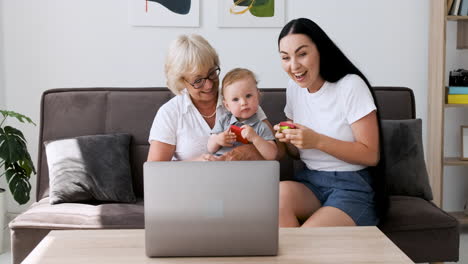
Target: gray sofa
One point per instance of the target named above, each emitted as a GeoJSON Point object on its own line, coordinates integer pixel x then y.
{"type": "Point", "coordinates": [419, 228]}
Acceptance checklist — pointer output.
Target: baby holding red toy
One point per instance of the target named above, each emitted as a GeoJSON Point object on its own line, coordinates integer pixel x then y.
{"type": "Point", "coordinates": [241, 125]}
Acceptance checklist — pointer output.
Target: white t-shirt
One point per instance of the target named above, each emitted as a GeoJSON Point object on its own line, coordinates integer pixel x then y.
{"type": "Point", "coordinates": [329, 111]}
{"type": "Point", "coordinates": [178, 122]}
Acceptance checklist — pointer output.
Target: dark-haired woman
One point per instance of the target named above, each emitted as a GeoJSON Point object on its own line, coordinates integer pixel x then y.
{"type": "Point", "coordinates": [337, 132]}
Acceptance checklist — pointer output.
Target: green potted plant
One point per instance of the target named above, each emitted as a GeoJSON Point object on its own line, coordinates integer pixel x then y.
{"type": "Point", "coordinates": [14, 158]}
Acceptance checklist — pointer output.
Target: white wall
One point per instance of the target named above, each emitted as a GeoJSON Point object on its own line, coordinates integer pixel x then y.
{"type": "Point", "coordinates": [2, 83]}
{"type": "Point", "coordinates": [64, 43]}
{"type": "Point", "coordinates": [455, 181]}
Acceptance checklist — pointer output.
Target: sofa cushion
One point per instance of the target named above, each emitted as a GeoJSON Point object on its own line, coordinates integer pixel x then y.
{"type": "Point", "coordinates": [405, 168]}
{"type": "Point", "coordinates": [412, 222]}
{"type": "Point", "coordinates": [412, 213]}
{"type": "Point", "coordinates": [43, 215]}
{"type": "Point", "coordinates": [90, 168]}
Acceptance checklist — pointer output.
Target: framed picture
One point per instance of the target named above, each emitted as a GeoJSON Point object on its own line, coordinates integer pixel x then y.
{"type": "Point", "coordinates": [464, 142]}
{"type": "Point", "coordinates": [251, 13]}
{"type": "Point", "coordinates": [164, 13]}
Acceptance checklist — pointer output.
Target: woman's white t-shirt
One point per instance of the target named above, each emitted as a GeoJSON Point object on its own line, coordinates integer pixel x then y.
{"type": "Point", "coordinates": [178, 122]}
{"type": "Point", "coordinates": [329, 111]}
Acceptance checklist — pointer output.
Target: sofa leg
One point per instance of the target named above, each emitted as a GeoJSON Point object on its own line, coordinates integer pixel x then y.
{"type": "Point", "coordinates": [23, 241]}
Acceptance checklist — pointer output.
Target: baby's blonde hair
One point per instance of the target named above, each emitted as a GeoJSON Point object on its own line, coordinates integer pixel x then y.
{"type": "Point", "coordinates": [236, 75]}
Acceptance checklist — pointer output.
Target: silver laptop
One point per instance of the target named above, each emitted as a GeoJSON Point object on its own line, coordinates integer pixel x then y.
{"type": "Point", "coordinates": [221, 208]}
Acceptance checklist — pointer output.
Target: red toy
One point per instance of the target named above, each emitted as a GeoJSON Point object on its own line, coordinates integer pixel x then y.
{"type": "Point", "coordinates": [237, 130]}
{"type": "Point", "coordinates": [286, 125]}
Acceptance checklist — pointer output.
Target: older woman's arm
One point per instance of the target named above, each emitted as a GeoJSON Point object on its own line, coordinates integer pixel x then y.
{"type": "Point", "coordinates": [160, 151]}
{"type": "Point", "coordinates": [244, 152]}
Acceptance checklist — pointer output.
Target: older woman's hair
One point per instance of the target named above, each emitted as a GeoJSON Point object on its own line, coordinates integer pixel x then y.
{"type": "Point", "coordinates": [236, 75]}
{"type": "Point", "coordinates": [188, 54]}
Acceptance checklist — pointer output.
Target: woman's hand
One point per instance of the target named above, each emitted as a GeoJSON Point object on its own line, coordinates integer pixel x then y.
{"type": "Point", "coordinates": [205, 157]}
{"type": "Point", "coordinates": [243, 152]}
{"type": "Point", "coordinates": [301, 137]}
{"type": "Point", "coordinates": [279, 134]}
{"type": "Point", "coordinates": [285, 144]}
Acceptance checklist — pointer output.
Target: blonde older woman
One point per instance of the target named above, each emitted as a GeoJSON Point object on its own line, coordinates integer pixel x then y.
{"type": "Point", "coordinates": [182, 126]}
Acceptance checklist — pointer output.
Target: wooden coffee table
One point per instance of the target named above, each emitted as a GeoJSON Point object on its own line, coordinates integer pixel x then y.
{"type": "Point", "coordinates": [296, 245]}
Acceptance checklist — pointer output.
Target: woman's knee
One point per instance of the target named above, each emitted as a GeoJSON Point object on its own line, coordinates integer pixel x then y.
{"type": "Point", "coordinates": [296, 198]}
{"type": "Point", "coordinates": [287, 192]}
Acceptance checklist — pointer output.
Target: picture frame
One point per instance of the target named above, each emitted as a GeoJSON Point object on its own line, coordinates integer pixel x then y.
{"type": "Point", "coordinates": [164, 13]}
{"type": "Point", "coordinates": [251, 13]}
{"type": "Point", "coordinates": [464, 143]}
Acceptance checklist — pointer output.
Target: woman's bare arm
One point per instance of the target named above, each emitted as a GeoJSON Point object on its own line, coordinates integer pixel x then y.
{"type": "Point", "coordinates": [364, 150]}
{"type": "Point", "coordinates": [160, 151]}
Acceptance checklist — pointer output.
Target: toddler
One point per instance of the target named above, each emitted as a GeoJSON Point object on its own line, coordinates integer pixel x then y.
{"type": "Point", "coordinates": [241, 99]}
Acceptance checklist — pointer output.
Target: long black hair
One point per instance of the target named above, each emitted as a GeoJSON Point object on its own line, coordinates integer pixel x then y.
{"type": "Point", "coordinates": [334, 65]}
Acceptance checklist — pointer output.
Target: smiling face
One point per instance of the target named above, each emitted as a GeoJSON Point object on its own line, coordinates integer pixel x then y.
{"type": "Point", "coordinates": [208, 92]}
{"type": "Point", "coordinates": [241, 98]}
{"type": "Point", "coordinates": [300, 59]}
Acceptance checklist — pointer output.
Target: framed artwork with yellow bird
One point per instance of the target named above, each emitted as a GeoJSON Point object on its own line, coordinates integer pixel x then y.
{"type": "Point", "coordinates": [251, 13]}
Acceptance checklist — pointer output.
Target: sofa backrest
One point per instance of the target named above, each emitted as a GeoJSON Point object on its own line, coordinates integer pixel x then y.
{"type": "Point", "coordinates": [73, 112]}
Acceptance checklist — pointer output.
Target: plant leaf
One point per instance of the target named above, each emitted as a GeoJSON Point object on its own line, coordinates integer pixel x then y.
{"type": "Point", "coordinates": [9, 173]}
{"type": "Point", "coordinates": [12, 146]}
{"type": "Point", "coordinates": [18, 116]}
{"type": "Point", "coordinates": [18, 182]}
{"type": "Point", "coordinates": [20, 189]}
{"type": "Point", "coordinates": [14, 132]}
{"type": "Point", "coordinates": [15, 158]}
{"type": "Point", "coordinates": [28, 166]}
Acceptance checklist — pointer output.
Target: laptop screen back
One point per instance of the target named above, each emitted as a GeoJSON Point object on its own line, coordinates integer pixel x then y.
{"type": "Point", "coordinates": [223, 208]}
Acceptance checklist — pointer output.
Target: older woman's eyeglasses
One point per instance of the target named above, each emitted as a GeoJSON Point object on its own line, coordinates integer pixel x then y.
{"type": "Point", "coordinates": [213, 75]}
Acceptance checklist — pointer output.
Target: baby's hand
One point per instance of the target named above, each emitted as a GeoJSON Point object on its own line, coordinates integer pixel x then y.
{"type": "Point", "coordinates": [248, 133]}
{"type": "Point", "coordinates": [226, 138]}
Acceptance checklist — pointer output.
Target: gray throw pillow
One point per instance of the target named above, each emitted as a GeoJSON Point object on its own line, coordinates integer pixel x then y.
{"type": "Point", "coordinates": [405, 168]}
{"type": "Point", "coordinates": [90, 168]}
